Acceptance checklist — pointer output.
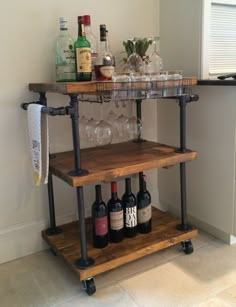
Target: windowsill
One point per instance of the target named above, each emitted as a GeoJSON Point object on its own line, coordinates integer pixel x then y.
{"type": "Point", "coordinates": [228, 82]}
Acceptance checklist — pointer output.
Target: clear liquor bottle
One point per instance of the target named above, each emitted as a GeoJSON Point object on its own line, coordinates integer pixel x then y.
{"type": "Point", "coordinates": [104, 67]}
{"type": "Point", "coordinates": [65, 54]}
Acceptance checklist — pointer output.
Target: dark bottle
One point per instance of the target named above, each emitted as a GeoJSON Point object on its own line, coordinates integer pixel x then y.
{"type": "Point", "coordinates": [82, 54]}
{"type": "Point", "coordinates": [116, 216]}
{"type": "Point", "coordinates": [130, 210]}
{"type": "Point", "coordinates": [99, 220]}
{"type": "Point", "coordinates": [144, 208]}
{"type": "Point", "coordinates": [104, 65]}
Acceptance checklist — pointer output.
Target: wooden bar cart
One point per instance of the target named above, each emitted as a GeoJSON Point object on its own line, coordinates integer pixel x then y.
{"type": "Point", "coordinates": [73, 241]}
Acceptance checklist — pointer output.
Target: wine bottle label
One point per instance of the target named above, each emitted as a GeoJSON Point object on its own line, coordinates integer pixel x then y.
{"type": "Point", "coordinates": [144, 214]}
{"type": "Point", "coordinates": [83, 60]}
{"type": "Point", "coordinates": [101, 227]}
{"type": "Point", "coordinates": [131, 217]}
{"type": "Point", "coordinates": [116, 220]}
{"type": "Point", "coordinates": [107, 71]}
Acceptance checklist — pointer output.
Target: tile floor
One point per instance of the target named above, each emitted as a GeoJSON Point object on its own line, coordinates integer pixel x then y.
{"type": "Point", "coordinates": [205, 278]}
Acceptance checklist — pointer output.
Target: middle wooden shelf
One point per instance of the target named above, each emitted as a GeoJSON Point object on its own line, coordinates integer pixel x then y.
{"type": "Point", "coordinates": [106, 163]}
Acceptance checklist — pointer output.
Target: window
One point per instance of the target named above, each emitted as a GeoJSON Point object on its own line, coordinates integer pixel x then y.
{"type": "Point", "coordinates": [219, 38]}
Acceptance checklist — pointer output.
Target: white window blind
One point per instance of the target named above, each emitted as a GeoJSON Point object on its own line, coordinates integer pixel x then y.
{"type": "Point", "coordinates": [222, 39]}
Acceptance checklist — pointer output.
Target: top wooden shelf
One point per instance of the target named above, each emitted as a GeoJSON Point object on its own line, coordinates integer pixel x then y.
{"type": "Point", "coordinates": [108, 162]}
{"type": "Point", "coordinates": [93, 87]}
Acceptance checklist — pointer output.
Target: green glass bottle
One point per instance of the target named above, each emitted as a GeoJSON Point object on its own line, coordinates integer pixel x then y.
{"type": "Point", "coordinates": [82, 54]}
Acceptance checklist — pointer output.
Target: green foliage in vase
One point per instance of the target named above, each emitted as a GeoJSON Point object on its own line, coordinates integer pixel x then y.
{"type": "Point", "coordinates": [141, 46]}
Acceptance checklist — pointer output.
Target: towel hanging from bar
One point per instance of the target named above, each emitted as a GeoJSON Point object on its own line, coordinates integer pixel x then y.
{"type": "Point", "coordinates": [39, 142]}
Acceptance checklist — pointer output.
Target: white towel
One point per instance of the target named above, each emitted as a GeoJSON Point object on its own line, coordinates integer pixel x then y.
{"type": "Point", "coordinates": [39, 142]}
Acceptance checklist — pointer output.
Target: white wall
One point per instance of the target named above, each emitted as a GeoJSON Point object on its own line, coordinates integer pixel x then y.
{"type": "Point", "coordinates": [27, 31]}
{"type": "Point", "coordinates": [210, 127]}
{"type": "Point", "coordinates": [180, 31]}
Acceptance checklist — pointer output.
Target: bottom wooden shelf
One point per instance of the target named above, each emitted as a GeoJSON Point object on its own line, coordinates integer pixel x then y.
{"type": "Point", "coordinates": [164, 234]}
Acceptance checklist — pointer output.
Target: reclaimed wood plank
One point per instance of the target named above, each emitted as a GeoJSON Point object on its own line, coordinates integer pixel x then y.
{"type": "Point", "coordinates": [106, 163]}
{"type": "Point", "coordinates": [163, 235]}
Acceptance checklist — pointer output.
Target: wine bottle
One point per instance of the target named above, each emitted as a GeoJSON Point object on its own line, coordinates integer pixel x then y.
{"type": "Point", "coordinates": [83, 54]}
{"type": "Point", "coordinates": [93, 41]}
{"type": "Point", "coordinates": [144, 207]}
{"type": "Point", "coordinates": [116, 216]}
{"type": "Point", "coordinates": [130, 210]}
{"type": "Point", "coordinates": [104, 66]}
{"type": "Point", "coordinates": [99, 220]}
{"type": "Point", "coordinates": [65, 54]}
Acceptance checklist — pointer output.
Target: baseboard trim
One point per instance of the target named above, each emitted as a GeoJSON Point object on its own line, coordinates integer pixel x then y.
{"type": "Point", "coordinates": [24, 239]}
{"type": "Point", "coordinates": [227, 238]}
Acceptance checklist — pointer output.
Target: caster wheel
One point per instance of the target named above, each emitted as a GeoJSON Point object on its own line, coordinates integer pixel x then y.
{"type": "Point", "coordinates": [187, 247]}
{"type": "Point", "coordinates": [89, 286]}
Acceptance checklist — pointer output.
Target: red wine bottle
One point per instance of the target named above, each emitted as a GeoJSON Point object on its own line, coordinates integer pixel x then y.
{"type": "Point", "coordinates": [130, 210]}
{"type": "Point", "coordinates": [116, 216]}
{"type": "Point", "coordinates": [144, 207]}
{"type": "Point", "coordinates": [99, 220]}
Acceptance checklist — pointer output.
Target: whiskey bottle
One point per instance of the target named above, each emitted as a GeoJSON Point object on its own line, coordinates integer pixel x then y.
{"type": "Point", "coordinates": [104, 67]}
{"type": "Point", "coordinates": [83, 54]}
{"type": "Point", "coordinates": [93, 41]}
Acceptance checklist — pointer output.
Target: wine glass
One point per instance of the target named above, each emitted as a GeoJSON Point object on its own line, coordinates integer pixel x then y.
{"type": "Point", "coordinates": [83, 122]}
{"type": "Point", "coordinates": [134, 128]}
{"type": "Point", "coordinates": [90, 129]}
{"type": "Point", "coordinates": [156, 63]}
{"type": "Point", "coordinates": [103, 133]}
{"type": "Point", "coordinates": [134, 61]}
{"type": "Point", "coordinates": [121, 126]}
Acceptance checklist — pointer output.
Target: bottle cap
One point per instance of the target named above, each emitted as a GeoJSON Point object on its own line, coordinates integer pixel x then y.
{"type": "Point", "coordinates": [102, 27]}
{"type": "Point", "coordinates": [63, 23]}
{"type": "Point", "coordinates": [80, 19]}
{"type": "Point", "coordinates": [103, 36]}
{"type": "Point", "coordinates": [87, 20]}
{"type": "Point", "coordinates": [62, 19]}
{"type": "Point", "coordinates": [114, 187]}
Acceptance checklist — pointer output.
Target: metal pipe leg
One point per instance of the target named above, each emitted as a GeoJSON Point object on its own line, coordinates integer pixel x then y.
{"type": "Point", "coordinates": [183, 199]}
{"type": "Point", "coordinates": [85, 261]}
{"type": "Point", "coordinates": [76, 139]}
{"type": "Point", "coordinates": [182, 104]}
{"type": "Point", "coordinates": [139, 117]}
{"type": "Point", "coordinates": [53, 230]}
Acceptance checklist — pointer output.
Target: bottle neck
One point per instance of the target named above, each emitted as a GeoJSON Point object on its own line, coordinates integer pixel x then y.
{"type": "Point", "coordinates": [114, 190]}
{"type": "Point", "coordinates": [63, 31]}
{"type": "Point", "coordinates": [127, 185]}
{"type": "Point", "coordinates": [103, 46]}
{"type": "Point", "coordinates": [107, 42]}
{"type": "Point", "coordinates": [143, 185]}
{"type": "Point", "coordinates": [87, 29]}
{"type": "Point", "coordinates": [98, 193]}
{"type": "Point", "coordinates": [81, 31]}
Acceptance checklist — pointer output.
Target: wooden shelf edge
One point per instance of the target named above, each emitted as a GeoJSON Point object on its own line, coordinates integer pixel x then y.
{"type": "Point", "coordinates": [116, 254]}
{"type": "Point", "coordinates": [112, 264]}
{"type": "Point", "coordinates": [106, 163]}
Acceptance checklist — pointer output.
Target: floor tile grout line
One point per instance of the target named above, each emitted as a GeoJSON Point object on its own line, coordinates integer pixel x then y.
{"type": "Point", "coordinates": [152, 266]}
{"type": "Point", "coordinates": [129, 295]}
{"type": "Point", "coordinates": [40, 289]}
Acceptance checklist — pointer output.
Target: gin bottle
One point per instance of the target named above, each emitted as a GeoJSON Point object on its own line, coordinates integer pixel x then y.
{"type": "Point", "coordinates": [65, 54]}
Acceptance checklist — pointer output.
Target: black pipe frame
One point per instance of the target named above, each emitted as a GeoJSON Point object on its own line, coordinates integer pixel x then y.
{"type": "Point", "coordinates": [85, 261]}
{"type": "Point", "coordinates": [52, 230]}
{"type": "Point", "coordinates": [183, 100]}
